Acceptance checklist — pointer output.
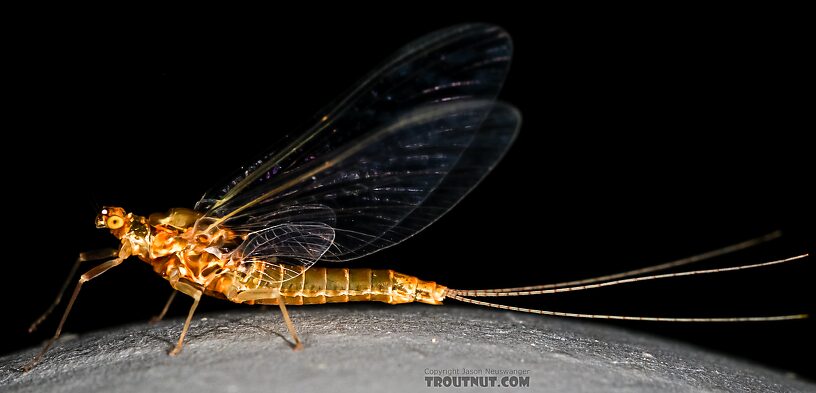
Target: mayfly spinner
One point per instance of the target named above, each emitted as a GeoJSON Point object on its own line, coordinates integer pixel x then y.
{"type": "Point", "coordinates": [391, 157]}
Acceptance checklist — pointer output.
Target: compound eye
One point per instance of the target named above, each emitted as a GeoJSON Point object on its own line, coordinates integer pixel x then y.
{"type": "Point", "coordinates": [115, 222]}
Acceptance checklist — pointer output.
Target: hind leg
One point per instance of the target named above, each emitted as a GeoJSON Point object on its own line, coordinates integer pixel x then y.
{"type": "Point", "coordinates": [266, 294]}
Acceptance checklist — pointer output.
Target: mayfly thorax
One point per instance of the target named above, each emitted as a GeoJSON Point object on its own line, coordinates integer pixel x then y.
{"type": "Point", "coordinates": [393, 155]}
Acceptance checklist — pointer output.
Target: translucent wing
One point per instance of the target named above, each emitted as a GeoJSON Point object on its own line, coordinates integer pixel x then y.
{"type": "Point", "coordinates": [394, 155]}
{"type": "Point", "coordinates": [283, 246]}
{"type": "Point", "coordinates": [381, 190]}
{"type": "Point", "coordinates": [461, 62]}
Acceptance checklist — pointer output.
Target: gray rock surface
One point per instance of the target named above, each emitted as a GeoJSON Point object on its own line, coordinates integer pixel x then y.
{"type": "Point", "coordinates": [362, 348]}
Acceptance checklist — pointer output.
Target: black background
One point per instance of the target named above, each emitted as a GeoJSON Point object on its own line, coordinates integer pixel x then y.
{"type": "Point", "coordinates": [648, 135]}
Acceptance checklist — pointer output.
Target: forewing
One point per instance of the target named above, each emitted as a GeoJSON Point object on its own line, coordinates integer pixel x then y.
{"type": "Point", "coordinates": [466, 62]}
{"type": "Point", "coordinates": [390, 185]}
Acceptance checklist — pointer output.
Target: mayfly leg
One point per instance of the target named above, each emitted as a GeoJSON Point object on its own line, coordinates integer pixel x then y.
{"type": "Point", "coordinates": [88, 256]}
{"type": "Point", "coordinates": [270, 293]}
{"type": "Point", "coordinates": [195, 293]}
{"type": "Point", "coordinates": [244, 296]}
{"type": "Point", "coordinates": [161, 315]}
{"type": "Point", "coordinates": [88, 276]}
{"type": "Point", "coordinates": [289, 325]}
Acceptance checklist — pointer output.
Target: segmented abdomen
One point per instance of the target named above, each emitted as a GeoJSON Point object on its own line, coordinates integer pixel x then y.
{"type": "Point", "coordinates": [319, 285]}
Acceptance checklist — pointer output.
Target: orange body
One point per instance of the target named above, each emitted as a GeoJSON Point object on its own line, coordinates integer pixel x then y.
{"type": "Point", "coordinates": [167, 243]}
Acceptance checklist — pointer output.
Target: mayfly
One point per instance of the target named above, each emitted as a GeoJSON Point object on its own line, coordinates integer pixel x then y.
{"type": "Point", "coordinates": [390, 157]}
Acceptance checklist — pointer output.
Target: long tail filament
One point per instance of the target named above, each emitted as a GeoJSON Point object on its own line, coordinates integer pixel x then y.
{"type": "Point", "coordinates": [627, 318]}
{"type": "Point", "coordinates": [463, 295]}
{"type": "Point", "coordinates": [651, 269]}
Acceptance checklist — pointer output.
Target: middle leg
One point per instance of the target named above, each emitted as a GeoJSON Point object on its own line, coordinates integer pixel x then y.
{"type": "Point", "coordinates": [159, 317]}
{"type": "Point", "coordinates": [195, 293]}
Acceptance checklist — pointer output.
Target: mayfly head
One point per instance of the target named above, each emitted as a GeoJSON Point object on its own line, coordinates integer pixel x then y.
{"type": "Point", "coordinates": [115, 219]}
